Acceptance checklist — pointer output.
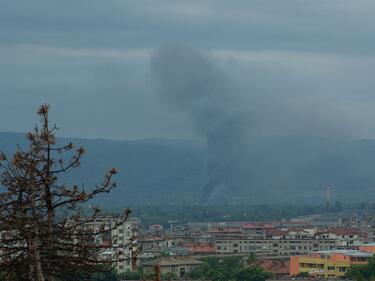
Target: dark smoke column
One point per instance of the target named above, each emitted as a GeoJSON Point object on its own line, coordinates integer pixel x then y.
{"type": "Point", "coordinates": [189, 80]}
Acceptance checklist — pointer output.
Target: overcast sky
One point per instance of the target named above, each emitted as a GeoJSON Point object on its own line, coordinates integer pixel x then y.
{"type": "Point", "coordinates": [295, 67]}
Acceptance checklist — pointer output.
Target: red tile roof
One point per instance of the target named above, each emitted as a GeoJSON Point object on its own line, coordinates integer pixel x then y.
{"type": "Point", "coordinates": [200, 248]}
{"type": "Point", "coordinates": [277, 266]}
{"type": "Point", "coordinates": [342, 230]}
{"type": "Point", "coordinates": [257, 225]}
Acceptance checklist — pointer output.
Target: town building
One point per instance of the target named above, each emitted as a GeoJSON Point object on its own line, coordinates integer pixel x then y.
{"type": "Point", "coordinates": [201, 248]}
{"type": "Point", "coordinates": [272, 247]}
{"type": "Point", "coordinates": [119, 243]}
{"type": "Point", "coordinates": [370, 247]}
{"type": "Point", "coordinates": [344, 236]}
{"type": "Point", "coordinates": [178, 266]}
{"type": "Point", "coordinates": [327, 264]}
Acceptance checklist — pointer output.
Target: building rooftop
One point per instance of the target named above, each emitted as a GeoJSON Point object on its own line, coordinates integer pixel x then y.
{"type": "Point", "coordinates": [277, 266]}
{"type": "Point", "coordinates": [350, 253]}
{"type": "Point", "coordinates": [369, 244]}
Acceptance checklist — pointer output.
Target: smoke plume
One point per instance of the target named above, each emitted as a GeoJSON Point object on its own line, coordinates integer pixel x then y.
{"type": "Point", "coordinates": [189, 80]}
{"type": "Point", "coordinates": [243, 124]}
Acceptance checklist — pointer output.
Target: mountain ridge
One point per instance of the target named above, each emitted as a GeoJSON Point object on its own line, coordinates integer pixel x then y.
{"type": "Point", "coordinates": [275, 169]}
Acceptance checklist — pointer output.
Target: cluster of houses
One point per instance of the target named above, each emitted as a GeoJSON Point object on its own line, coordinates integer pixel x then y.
{"type": "Point", "coordinates": [284, 248]}
{"type": "Point", "coordinates": [179, 248]}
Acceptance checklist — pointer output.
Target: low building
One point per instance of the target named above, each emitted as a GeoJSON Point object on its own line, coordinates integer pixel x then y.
{"type": "Point", "coordinates": [327, 264]}
{"type": "Point", "coordinates": [200, 248]}
{"type": "Point", "coordinates": [179, 266]}
{"type": "Point", "coordinates": [272, 247]}
{"type": "Point", "coordinates": [256, 230]}
{"type": "Point", "coordinates": [344, 236]}
{"type": "Point", "coordinates": [370, 247]}
{"type": "Point", "coordinates": [151, 242]}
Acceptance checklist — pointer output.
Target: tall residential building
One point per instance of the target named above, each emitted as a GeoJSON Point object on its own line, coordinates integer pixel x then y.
{"type": "Point", "coordinates": [120, 243]}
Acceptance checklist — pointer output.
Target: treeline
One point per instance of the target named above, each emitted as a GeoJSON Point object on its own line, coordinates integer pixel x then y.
{"type": "Point", "coordinates": [167, 214]}
{"type": "Point", "coordinates": [229, 268]}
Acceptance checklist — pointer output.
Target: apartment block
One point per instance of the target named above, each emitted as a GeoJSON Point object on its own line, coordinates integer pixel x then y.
{"type": "Point", "coordinates": [120, 243]}
{"type": "Point", "coordinates": [272, 247]}
{"type": "Point", "coordinates": [328, 264]}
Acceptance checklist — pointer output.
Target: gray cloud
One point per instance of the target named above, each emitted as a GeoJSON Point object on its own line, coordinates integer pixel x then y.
{"type": "Point", "coordinates": [320, 26]}
{"type": "Point", "coordinates": [295, 67]}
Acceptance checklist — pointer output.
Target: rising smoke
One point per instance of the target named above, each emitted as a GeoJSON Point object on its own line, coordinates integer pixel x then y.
{"type": "Point", "coordinates": [189, 80]}
{"type": "Point", "coordinates": [235, 121]}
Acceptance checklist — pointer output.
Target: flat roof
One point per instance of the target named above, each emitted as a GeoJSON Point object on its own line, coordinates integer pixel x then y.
{"type": "Point", "coordinates": [351, 253]}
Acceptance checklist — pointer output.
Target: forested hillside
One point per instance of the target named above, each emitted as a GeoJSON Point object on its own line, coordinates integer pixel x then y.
{"type": "Point", "coordinates": [275, 170]}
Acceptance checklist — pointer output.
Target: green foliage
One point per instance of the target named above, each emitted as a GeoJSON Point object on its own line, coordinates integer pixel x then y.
{"type": "Point", "coordinates": [10, 276]}
{"type": "Point", "coordinates": [104, 273]}
{"type": "Point", "coordinates": [105, 276]}
{"type": "Point", "coordinates": [187, 213]}
{"type": "Point", "coordinates": [168, 276]}
{"type": "Point", "coordinates": [363, 272]}
{"type": "Point", "coordinates": [302, 275]}
{"type": "Point", "coordinates": [129, 275]}
{"type": "Point", "coordinates": [228, 269]}
{"type": "Point", "coordinates": [252, 274]}
{"type": "Point", "coordinates": [251, 259]}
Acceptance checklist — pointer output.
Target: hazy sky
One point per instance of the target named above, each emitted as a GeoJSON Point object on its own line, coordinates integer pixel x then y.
{"type": "Point", "coordinates": [294, 67]}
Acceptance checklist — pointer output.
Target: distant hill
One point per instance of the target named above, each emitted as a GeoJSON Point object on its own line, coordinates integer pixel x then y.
{"type": "Point", "coordinates": [286, 169]}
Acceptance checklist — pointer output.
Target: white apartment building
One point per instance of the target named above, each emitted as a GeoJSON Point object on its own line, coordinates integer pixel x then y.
{"type": "Point", "coordinates": [120, 243]}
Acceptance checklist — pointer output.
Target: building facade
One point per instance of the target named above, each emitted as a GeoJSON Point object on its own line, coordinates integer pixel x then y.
{"type": "Point", "coordinates": [272, 247]}
{"type": "Point", "coordinates": [327, 264]}
{"type": "Point", "coordinates": [178, 266]}
{"type": "Point", "coordinates": [119, 243]}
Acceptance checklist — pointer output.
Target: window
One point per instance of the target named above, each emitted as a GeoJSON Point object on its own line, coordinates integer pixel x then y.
{"type": "Point", "coordinates": [182, 272]}
{"type": "Point", "coordinates": [331, 268]}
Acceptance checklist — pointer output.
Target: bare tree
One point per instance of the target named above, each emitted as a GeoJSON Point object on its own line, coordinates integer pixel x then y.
{"type": "Point", "coordinates": [43, 232]}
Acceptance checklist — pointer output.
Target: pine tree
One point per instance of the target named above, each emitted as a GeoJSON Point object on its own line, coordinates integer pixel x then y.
{"type": "Point", "coordinates": [43, 232]}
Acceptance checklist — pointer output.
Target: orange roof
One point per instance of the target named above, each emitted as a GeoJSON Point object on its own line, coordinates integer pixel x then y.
{"type": "Point", "coordinates": [342, 231]}
{"type": "Point", "coordinates": [226, 229]}
{"type": "Point", "coordinates": [277, 266]}
{"type": "Point", "coordinates": [257, 225]}
{"type": "Point", "coordinates": [200, 248]}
